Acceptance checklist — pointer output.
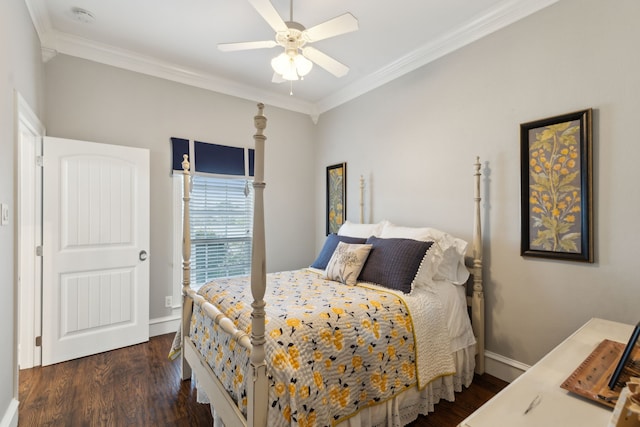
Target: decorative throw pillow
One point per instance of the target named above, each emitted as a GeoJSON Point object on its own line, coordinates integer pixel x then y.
{"type": "Point", "coordinates": [394, 263]}
{"type": "Point", "coordinates": [346, 262]}
{"type": "Point", "coordinates": [330, 246]}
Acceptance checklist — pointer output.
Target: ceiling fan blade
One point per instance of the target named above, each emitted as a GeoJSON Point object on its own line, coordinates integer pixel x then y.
{"type": "Point", "coordinates": [342, 24]}
{"type": "Point", "coordinates": [230, 47]}
{"type": "Point", "coordinates": [325, 61]}
{"type": "Point", "coordinates": [269, 14]}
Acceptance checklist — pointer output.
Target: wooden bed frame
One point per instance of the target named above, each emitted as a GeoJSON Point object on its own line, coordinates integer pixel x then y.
{"type": "Point", "coordinates": [257, 385]}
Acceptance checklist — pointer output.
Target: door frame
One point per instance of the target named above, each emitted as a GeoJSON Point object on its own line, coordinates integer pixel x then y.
{"type": "Point", "coordinates": [28, 226]}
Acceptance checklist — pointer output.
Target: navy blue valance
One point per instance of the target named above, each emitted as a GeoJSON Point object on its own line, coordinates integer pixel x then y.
{"type": "Point", "coordinates": [213, 158]}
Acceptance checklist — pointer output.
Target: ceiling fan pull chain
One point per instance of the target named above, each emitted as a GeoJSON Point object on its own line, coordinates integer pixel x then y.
{"type": "Point", "coordinates": [291, 88]}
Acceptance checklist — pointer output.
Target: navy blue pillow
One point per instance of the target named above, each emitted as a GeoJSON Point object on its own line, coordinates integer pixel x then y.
{"type": "Point", "coordinates": [330, 246]}
{"type": "Point", "coordinates": [393, 263]}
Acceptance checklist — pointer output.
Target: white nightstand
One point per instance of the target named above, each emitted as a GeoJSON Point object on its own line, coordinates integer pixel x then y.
{"type": "Point", "coordinates": [557, 407]}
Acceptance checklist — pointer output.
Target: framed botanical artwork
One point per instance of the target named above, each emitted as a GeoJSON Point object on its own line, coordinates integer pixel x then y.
{"type": "Point", "coordinates": [336, 196]}
{"type": "Point", "coordinates": [556, 170]}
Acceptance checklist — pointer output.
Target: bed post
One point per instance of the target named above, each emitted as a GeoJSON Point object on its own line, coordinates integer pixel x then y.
{"type": "Point", "coordinates": [477, 303]}
{"type": "Point", "coordinates": [258, 388]}
{"type": "Point", "coordinates": [187, 302]}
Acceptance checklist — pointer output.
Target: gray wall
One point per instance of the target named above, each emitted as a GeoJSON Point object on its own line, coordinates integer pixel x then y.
{"type": "Point", "coordinates": [20, 70]}
{"type": "Point", "coordinates": [93, 102]}
{"type": "Point", "coordinates": [415, 140]}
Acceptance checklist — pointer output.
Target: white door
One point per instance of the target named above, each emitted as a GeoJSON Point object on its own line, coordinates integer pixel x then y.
{"type": "Point", "coordinates": [95, 294]}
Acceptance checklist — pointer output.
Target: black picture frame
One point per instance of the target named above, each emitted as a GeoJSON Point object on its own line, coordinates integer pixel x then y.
{"type": "Point", "coordinates": [557, 187]}
{"type": "Point", "coordinates": [336, 196]}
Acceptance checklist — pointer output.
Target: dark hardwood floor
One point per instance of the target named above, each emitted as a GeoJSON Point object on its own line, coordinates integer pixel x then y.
{"type": "Point", "coordinates": [140, 386]}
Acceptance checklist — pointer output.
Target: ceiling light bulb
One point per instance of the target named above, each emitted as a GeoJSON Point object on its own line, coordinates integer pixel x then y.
{"type": "Point", "coordinates": [303, 65]}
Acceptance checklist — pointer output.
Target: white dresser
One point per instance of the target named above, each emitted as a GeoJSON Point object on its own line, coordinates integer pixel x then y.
{"type": "Point", "coordinates": [556, 407]}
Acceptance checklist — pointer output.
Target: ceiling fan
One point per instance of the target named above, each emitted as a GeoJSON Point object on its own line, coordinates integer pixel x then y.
{"type": "Point", "coordinates": [297, 59]}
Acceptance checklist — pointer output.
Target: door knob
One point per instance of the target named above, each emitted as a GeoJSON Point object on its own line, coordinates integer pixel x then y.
{"type": "Point", "coordinates": [143, 255]}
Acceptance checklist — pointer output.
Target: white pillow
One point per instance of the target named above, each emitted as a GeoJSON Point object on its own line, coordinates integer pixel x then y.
{"type": "Point", "coordinates": [447, 258]}
{"type": "Point", "coordinates": [354, 229]}
{"type": "Point", "coordinates": [347, 262]}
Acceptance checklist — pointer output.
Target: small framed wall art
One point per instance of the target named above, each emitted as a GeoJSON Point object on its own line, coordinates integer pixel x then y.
{"type": "Point", "coordinates": [556, 170]}
{"type": "Point", "coordinates": [336, 196]}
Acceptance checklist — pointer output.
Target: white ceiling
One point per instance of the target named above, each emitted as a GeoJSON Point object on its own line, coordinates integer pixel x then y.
{"type": "Point", "coordinates": [177, 40]}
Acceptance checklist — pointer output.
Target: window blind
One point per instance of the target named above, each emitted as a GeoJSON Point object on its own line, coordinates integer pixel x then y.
{"type": "Point", "coordinates": [221, 208]}
{"type": "Point", "coordinates": [221, 212]}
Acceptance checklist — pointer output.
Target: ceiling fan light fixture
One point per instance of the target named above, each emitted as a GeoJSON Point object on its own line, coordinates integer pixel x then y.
{"type": "Point", "coordinates": [291, 65]}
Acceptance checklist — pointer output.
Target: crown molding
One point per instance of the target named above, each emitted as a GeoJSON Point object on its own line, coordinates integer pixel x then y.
{"type": "Point", "coordinates": [53, 42]}
{"type": "Point", "coordinates": [504, 14]}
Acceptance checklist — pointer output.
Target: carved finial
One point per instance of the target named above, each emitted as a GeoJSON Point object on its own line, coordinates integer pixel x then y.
{"type": "Point", "coordinates": [185, 162]}
{"type": "Point", "coordinates": [260, 121]}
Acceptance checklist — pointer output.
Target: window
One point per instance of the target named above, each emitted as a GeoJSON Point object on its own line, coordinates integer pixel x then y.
{"type": "Point", "coordinates": [221, 213]}
{"type": "Point", "coordinates": [221, 210]}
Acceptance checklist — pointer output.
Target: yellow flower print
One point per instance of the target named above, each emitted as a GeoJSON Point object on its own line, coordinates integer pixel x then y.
{"type": "Point", "coordinates": [341, 369]}
{"type": "Point", "coordinates": [338, 340]}
{"type": "Point", "coordinates": [280, 389]}
{"type": "Point", "coordinates": [275, 333]}
{"type": "Point", "coordinates": [292, 389]}
{"type": "Point", "coordinates": [356, 362]}
{"type": "Point", "coordinates": [408, 370]}
{"type": "Point", "coordinates": [304, 392]}
{"type": "Point", "coordinates": [392, 352]}
{"type": "Point", "coordinates": [238, 378]}
{"type": "Point", "coordinates": [337, 310]}
{"type": "Point", "coordinates": [317, 379]}
{"type": "Point", "coordinates": [307, 420]}
{"type": "Point", "coordinates": [376, 329]}
{"type": "Point", "coordinates": [570, 218]}
{"type": "Point", "coordinates": [339, 395]}
{"type": "Point", "coordinates": [293, 322]}
{"type": "Point", "coordinates": [317, 355]}
{"type": "Point", "coordinates": [376, 304]}
{"type": "Point", "coordinates": [279, 360]}
{"type": "Point", "coordinates": [379, 381]}
{"type": "Point", "coordinates": [294, 357]}
{"type": "Point", "coordinates": [286, 413]}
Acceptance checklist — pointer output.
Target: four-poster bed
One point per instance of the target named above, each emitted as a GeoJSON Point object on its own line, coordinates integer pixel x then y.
{"type": "Point", "coordinates": [360, 351]}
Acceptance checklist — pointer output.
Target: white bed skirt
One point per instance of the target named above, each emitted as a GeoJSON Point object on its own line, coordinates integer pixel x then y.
{"type": "Point", "coordinates": [405, 407]}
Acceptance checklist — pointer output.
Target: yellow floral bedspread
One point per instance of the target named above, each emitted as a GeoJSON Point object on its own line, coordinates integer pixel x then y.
{"type": "Point", "coordinates": [331, 349]}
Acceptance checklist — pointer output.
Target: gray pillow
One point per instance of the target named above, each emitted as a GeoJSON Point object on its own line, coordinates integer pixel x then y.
{"type": "Point", "coordinates": [393, 263]}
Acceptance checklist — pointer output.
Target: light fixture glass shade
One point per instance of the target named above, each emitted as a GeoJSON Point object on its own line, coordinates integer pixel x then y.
{"type": "Point", "coordinates": [281, 63]}
{"type": "Point", "coordinates": [303, 65]}
{"type": "Point", "coordinates": [291, 67]}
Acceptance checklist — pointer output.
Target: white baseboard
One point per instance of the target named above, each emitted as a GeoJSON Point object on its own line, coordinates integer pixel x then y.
{"type": "Point", "coordinates": [10, 417]}
{"type": "Point", "coordinates": [165, 325]}
{"type": "Point", "coordinates": [502, 367]}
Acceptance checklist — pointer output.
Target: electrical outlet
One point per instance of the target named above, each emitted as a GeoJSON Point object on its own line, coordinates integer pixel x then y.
{"type": "Point", "coordinates": [4, 214]}
{"type": "Point", "coordinates": [168, 301]}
